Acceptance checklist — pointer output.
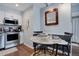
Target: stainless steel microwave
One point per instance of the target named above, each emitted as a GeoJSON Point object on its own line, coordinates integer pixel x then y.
{"type": "Point", "coordinates": [12, 22]}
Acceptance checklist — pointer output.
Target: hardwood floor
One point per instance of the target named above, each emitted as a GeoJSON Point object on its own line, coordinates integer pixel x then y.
{"type": "Point", "coordinates": [26, 51]}
{"type": "Point", "coordinates": [22, 51]}
{"type": "Point", "coordinates": [75, 50]}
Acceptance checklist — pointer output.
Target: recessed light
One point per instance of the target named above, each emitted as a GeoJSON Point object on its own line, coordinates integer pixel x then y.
{"type": "Point", "coordinates": [17, 5]}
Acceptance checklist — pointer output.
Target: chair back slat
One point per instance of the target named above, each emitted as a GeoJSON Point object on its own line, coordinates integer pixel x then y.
{"type": "Point", "coordinates": [66, 37]}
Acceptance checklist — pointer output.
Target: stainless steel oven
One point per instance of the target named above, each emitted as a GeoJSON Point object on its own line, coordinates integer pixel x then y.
{"type": "Point", "coordinates": [11, 39]}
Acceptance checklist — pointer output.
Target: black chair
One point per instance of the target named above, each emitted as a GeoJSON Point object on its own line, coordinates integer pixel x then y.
{"type": "Point", "coordinates": [39, 34]}
{"type": "Point", "coordinates": [63, 48]}
{"type": "Point", "coordinates": [53, 46]}
{"type": "Point", "coordinates": [67, 38]}
{"type": "Point", "coordinates": [35, 33]}
{"type": "Point", "coordinates": [38, 47]}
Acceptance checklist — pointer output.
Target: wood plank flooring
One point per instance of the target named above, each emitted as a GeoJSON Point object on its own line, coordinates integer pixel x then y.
{"type": "Point", "coordinates": [25, 51]}
{"type": "Point", "coordinates": [22, 51]}
{"type": "Point", "coordinates": [75, 50]}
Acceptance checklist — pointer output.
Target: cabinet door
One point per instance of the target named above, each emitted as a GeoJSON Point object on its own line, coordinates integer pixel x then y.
{"type": "Point", "coordinates": [21, 38]}
{"type": "Point", "coordinates": [13, 14]}
{"type": "Point", "coordinates": [1, 41]}
{"type": "Point", "coordinates": [9, 13]}
{"type": "Point", "coordinates": [1, 15]}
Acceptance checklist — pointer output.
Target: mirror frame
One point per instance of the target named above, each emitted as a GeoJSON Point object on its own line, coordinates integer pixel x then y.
{"type": "Point", "coordinates": [56, 18]}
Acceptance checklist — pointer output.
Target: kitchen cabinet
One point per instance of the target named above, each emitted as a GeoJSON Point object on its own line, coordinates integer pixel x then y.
{"type": "Point", "coordinates": [1, 41]}
{"type": "Point", "coordinates": [2, 14]}
{"type": "Point", "coordinates": [21, 37]}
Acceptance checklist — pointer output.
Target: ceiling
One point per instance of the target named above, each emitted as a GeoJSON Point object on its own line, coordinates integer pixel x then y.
{"type": "Point", "coordinates": [21, 7]}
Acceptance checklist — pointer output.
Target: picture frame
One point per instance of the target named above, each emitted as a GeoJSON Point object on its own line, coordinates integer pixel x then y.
{"type": "Point", "coordinates": [51, 17]}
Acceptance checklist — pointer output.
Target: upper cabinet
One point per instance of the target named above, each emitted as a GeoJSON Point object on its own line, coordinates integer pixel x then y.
{"type": "Point", "coordinates": [10, 13]}
{"type": "Point", "coordinates": [2, 14]}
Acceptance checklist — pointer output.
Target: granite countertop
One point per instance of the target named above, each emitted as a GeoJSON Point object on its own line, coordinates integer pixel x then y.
{"type": "Point", "coordinates": [45, 40]}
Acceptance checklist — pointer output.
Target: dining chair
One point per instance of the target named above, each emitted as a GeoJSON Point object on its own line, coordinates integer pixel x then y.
{"type": "Point", "coordinates": [37, 47]}
{"type": "Point", "coordinates": [35, 33]}
{"type": "Point", "coordinates": [62, 47]}
{"type": "Point", "coordinates": [66, 48]}
{"type": "Point", "coordinates": [68, 39]}
{"type": "Point", "coordinates": [53, 46]}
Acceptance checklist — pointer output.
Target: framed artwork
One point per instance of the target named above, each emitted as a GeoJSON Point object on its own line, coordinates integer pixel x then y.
{"type": "Point", "coordinates": [51, 17]}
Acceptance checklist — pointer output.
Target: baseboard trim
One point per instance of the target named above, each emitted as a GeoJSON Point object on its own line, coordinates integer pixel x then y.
{"type": "Point", "coordinates": [75, 43]}
{"type": "Point", "coordinates": [2, 49]}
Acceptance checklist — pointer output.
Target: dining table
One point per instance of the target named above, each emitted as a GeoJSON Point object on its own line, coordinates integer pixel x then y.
{"type": "Point", "coordinates": [48, 40]}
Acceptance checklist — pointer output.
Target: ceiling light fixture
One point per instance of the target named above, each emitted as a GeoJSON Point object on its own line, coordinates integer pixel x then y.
{"type": "Point", "coordinates": [17, 5]}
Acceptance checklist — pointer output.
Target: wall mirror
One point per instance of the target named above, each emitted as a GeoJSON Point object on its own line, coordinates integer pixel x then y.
{"type": "Point", "coordinates": [51, 17]}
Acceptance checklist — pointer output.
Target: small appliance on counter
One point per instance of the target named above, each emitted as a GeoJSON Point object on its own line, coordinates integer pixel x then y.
{"type": "Point", "coordinates": [1, 28]}
{"type": "Point", "coordinates": [12, 28]}
{"type": "Point", "coordinates": [19, 28]}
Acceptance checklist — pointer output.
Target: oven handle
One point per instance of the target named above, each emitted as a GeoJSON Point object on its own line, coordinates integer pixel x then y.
{"type": "Point", "coordinates": [12, 33]}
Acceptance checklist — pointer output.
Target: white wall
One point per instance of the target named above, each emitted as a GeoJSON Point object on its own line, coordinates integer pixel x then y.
{"type": "Point", "coordinates": [2, 14]}
{"type": "Point", "coordinates": [36, 15]}
{"type": "Point", "coordinates": [33, 15]}
{"type": "Point", "coordinates": [28, 16]}
{"type": "Point", "coordinates": [64, 18]}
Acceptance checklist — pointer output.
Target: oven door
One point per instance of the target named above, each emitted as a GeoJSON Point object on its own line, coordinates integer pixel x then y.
{"type": "Point", "coordinates": [11, 39]}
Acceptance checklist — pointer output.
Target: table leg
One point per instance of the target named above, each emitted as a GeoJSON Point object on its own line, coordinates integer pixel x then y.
{"type": "Point", "coordinates": [53, 49]}
{"type": "Point", "coordinates": [34, 44]}
{"type": "Point", "coordinates": [56, 49]}
{"type": "Point", "coordinates": [68, 50]}
{"type": "Point", "coordinates": [62, 50]}
{"type": "Point", "coordinates": [44, 49]}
